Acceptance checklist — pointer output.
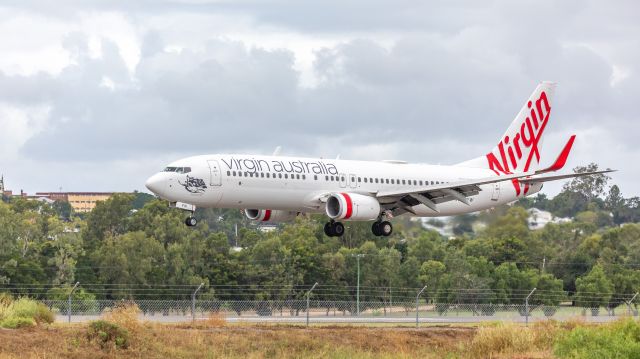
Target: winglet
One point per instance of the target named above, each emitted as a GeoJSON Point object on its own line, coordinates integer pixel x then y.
{"type": "Point", "coordinates": [562, 158]}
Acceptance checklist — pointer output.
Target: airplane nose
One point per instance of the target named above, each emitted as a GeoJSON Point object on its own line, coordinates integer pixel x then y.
{"type": "Point", "coordinates": [154, 184]}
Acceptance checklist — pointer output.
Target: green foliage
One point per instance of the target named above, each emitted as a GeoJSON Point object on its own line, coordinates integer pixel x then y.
{"type": "Point", "coordinates": [617, 340]}
{"type": "Point", "coordinates": [137, 240]}
{"type": "Point", "coordinates": [17, 323]}
{"type": "Point", "coordinates": [594, 289]}
{"type": "Point", "coordinates": [108, 334]}
{"type": "Point", "coordinates": [23, 312]}
{"type": "Point", "coordinates": [29, 308]}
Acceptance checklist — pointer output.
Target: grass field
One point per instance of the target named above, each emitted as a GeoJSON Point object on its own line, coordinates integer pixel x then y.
{"type": "Point", "coordinates": [122, 335]}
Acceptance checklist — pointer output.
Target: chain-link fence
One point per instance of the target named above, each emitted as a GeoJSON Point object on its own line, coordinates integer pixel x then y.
{"type": "Point", "coordinates": [334, 311]}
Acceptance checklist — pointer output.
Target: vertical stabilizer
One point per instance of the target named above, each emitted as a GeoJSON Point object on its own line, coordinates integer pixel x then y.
{"type": "Point", "coordinates": [518, 150]}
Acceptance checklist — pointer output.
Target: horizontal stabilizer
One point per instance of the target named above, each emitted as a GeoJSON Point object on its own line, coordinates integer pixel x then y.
{"type": "Point", "coordinates": [559, 177]}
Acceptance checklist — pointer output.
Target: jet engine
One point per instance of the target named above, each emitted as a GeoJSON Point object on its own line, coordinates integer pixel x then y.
{"type": "Point", "coordinates": [268, 215]}
{"type": "Point", "coordinates": [353, 207]}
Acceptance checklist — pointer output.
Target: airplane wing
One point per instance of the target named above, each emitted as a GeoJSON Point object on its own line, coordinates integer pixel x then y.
{"type": "Point", "coordinates": [430, 196]}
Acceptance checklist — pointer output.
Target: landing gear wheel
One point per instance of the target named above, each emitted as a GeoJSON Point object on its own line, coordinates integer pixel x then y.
{"type": "Point", "coordinates": [385, 228]}
{"type": "Point", "coordinates": [337, 229]}
{"type": "Point", "coordinates": [191, 221]}
{"type": "Point", "coordinates": [327, 229]}
{"type": "Point", "coordinates": [375, 228]}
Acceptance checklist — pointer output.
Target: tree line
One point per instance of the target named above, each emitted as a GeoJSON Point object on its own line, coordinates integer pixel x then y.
{"type": "Point", "coordinates": [136, 247]}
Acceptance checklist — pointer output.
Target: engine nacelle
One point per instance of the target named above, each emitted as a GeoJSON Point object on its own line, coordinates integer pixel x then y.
{"type": "Point", "coordinates": [352, 206]}
{"type": "Point", "coordinates": [267, 215]}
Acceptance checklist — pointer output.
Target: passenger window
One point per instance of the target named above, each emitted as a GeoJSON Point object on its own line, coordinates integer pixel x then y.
{"type": "Point", "coordinates": [268, 175]}
{"type": "Point", "coordinates": [286, 176]}
{"type": "Point", "coordinates": [239, 174]}
{"type": "Point", "coordinates": [421, 182]}
{"type": "Point", "coordinates": [353, 179]}
{"type": "Point", "coordinates": [234, 173]}
{"type": "Point", "coordinates": [315, 177]}
{"type": "Point", "coordinates": [304, 177]}
{"type": "Point", "coordinates": [386, 181]}
{"type": "Point", "coordinates": [376, 180]}
{"type": "Point", "coordinates": [403, 182]}
{"type": "Point", "coordinates": [342, 179]}
{"type": "Point", "coordinates": [359, 179]}
{"type": "Point", "coordinates": [326, 178]}
{"type": "Point", "coordinates": [392, 181]}
{"type": "Point", "coordinates": [365, 180]}
{"type": "Point", "coordinates": [332, 178]}
{"type": "Point", "coordinates": [370, 180]}
{"type": "Point", "coordinates": [262, 175]}
{"type": "Point", "coordinates": [279, 175]}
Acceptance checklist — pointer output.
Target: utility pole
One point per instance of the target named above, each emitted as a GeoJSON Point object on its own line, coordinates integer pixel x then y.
{"type": "Point", "coordinates": [417, 304]}
{"type": "Point", "coordinates": [526, 304]}
{"type": "Point", "coordinates": [69, 301]}
{"type": "Point", "coordinates": [193, 303]}
{"type": "Point", "coordinates": [358, 256]}
{"type": "Point", "coordinates": [308, 296]}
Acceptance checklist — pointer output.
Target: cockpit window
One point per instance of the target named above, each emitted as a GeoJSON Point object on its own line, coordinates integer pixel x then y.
{"type": "Point", "coordinates": [178, 169]}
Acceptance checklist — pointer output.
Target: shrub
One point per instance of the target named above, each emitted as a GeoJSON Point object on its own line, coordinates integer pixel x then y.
{"type": "Point", "coordinates": [616, 340]}
{"type": "Point", "coordinates": [501, 338]}
{"type": "Point", "coordinates": [108, 334]}
{"type": "Point", "coordinates": [29, 308]}
{"type": "Point", "coordinates": [18, 322]}
{"type": "Point", "coordinates": [125, 314]}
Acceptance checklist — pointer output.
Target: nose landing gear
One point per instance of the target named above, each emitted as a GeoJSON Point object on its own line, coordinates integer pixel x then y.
{"type": "Point", "coordinates": [191, 221]}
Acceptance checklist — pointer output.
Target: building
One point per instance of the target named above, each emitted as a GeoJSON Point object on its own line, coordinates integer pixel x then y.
{"type": "Point", "coordinates": [539, 218]}
{"type": "Point", "coordinates": [81, 202]}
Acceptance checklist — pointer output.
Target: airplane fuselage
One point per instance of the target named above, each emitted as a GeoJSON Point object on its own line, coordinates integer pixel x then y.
{"type": "Point", "coordinates": [296, 184]}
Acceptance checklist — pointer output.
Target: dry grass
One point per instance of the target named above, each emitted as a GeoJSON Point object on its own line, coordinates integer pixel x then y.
{"type": "Point", "coordinates": [126, 315]}
{"type": "Point", "coordinates": [181, 341]}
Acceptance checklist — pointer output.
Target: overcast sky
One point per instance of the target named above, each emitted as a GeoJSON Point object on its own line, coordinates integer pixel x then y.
{"type": "Point", "coordinates": [99, 95]}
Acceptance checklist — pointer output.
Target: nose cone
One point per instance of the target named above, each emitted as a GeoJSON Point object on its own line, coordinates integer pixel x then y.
{"type": "Point", "coordinates": [155, 184]}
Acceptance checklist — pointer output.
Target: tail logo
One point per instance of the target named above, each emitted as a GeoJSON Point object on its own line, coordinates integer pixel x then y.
{"type": "Point", "coordinates": [523, 143]}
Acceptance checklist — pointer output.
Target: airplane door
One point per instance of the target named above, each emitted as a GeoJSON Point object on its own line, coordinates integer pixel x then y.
{"type": "Point", "coordinates": [343, 180]}
{"type": "Point", "coordinates": [496, 191]}
{"type": "Point", "coordinates": [215, 173]}
{"type": "Point", "coordinates": [352, 181]}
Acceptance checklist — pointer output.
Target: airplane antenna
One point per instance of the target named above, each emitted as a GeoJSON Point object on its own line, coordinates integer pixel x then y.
{"type": "Point", "coordinates": [338, 157]}
{"type": "Point", "coordinates": [276, 152]}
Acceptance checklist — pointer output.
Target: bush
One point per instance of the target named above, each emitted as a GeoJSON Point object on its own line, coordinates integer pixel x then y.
{"type": "Point", "coordinates": [29, 308]}
{"type": "Point", "coordinates": [18, 322]}
{"type": "Point", "coordinates": [108, 334]}
{"type": "Point", "coordinates": [23, 311]}
{"type": "Point", "coordinates": [617, 340]}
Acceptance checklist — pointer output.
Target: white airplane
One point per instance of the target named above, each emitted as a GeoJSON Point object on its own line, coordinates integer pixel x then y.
{"type": "Point", "coordinates": [277, 189]}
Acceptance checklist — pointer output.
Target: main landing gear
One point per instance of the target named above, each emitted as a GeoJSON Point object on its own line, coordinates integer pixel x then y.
{"type": "Point", "coordinates": [333, 229]}
{"type": "Point", "coordinates": [382, 228]}
{"type": "Point", "coordinates": [379, 228]}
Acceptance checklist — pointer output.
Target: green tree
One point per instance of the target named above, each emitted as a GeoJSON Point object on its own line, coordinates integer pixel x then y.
{"type": "Point", "coordinates": [594, 289]}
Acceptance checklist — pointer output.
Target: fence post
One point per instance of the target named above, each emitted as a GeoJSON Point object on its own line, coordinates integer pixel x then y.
{"type": "Point", "coordinates": [526, 307]}
{"type": "Point", "coordinates": [629, 303]}
{"type": "Point", "coordinates": [417, 304]}
{"type": "Point", "coordinates": [69, 301]}
{"type": "Point", "coordinates": [193, 303]}
{"type": "Point", "coordinates": [309, 295]}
